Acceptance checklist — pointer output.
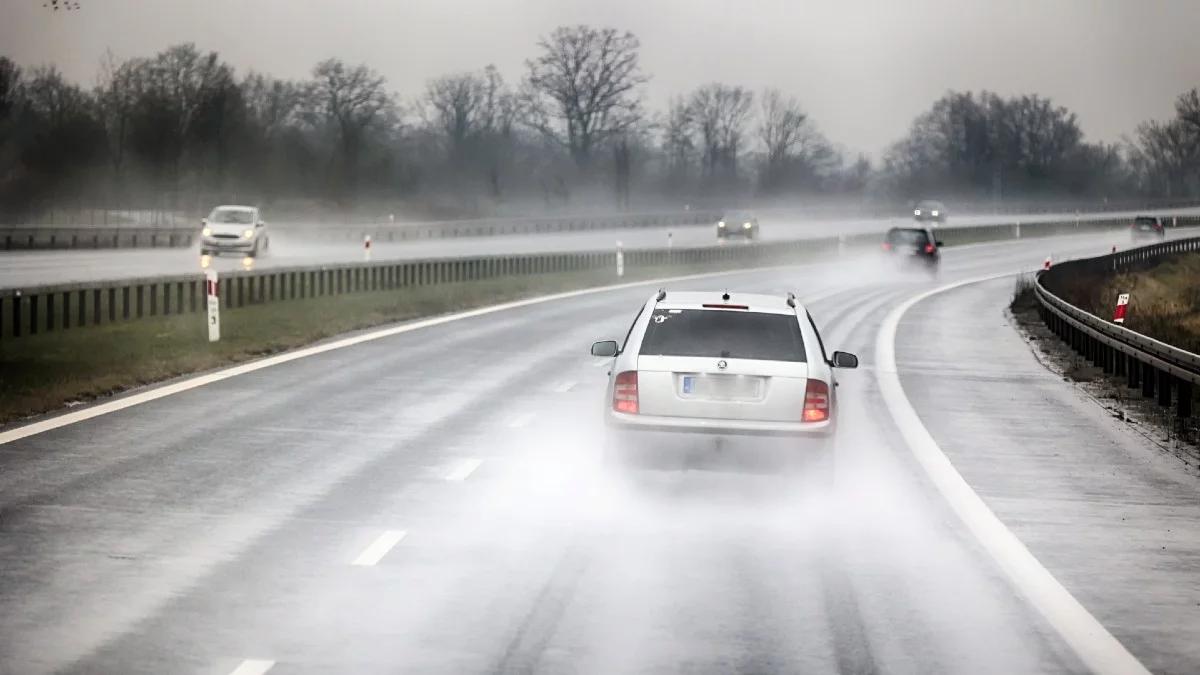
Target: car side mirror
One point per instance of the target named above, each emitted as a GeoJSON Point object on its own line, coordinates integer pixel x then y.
{"type": "Point", "coordinates": [259, 224]}
{"type": "Point", "coordinates": [204, 221]}
{"type": "Point", "coordinates": [844, 360]}
{"type": "Point", "coordinates": [938, 244]}
{"type": "Point", "coordinates": [605, 348]}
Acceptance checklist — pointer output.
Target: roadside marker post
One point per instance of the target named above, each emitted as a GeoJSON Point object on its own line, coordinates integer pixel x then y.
{"type": "Point", "coordinates": [211, 288]}
{"type": "Point", "coordinates": [620, 260]}
{"type": "Point", "coordinates": [1122, 307]}
{"type": "Point", "coordinates": [367, 247]}
{"type": "Point", "coordinates": [1046, 263]}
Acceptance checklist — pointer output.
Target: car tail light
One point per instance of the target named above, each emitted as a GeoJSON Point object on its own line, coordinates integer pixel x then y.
{"type": "Point", "coordinates": [929, 248]}
{"type": "Point", "coordinates": [625, 392]}
{"type": "Point", "coordinates": [887, 246]}
{"type": "Point", "coordinates": [816, 402]}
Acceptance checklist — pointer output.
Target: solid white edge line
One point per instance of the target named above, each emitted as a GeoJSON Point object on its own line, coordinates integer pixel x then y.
{"type": "Point", "coordinates": [253, 667]}
{"type": "Point", "coordinates": [463, 469]}
{"type": "Point", "coordinates": [379, 548]}
{"type": "Point", "coordinates": [1091, 641]}
{"type": "Point", "coordinates": [187, 384]}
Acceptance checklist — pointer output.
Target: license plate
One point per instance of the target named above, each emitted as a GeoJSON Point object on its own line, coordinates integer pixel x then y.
{"type": "Point", "coordinates": [721, 387]}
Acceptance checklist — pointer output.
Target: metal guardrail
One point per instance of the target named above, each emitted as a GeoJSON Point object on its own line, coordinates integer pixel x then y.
{"type": "Point", "coordinates": [38, 310]}
{"type": "Point", "coordinates": [46, 309]}
{"type": "Point", "coordinates": [124, 236]}
{"type": "Point", "coordinates": [1154, 366]}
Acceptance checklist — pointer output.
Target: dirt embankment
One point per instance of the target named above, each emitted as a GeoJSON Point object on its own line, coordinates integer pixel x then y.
{"type": "Point", "coordinates": [1164, 299]}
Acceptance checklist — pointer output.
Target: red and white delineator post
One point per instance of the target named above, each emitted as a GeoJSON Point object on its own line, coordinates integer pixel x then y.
{"type": "Point", "coordinates": [1046, 263]}
{"type": "Point", "coordinates": [1122, 306]}
{"type": "Point", "coordinates": [211, 290]}
{"type": "Point", "coordinates": [620, 260]}
{"type": "Point", "coordinates": [367, 247]}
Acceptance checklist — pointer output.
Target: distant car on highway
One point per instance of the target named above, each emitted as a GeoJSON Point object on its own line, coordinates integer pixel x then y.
{"type": "Point", "coordinates": [234, 229]}
{"type": "Point", "coordinates": [737, 224]}
{"type": "Point", "coordinates": [929, 211]}
{"type": "Point", "coordinates": [913, 246]}
{"type": "Point", "coordinates": [1147, 227]}
{"type": "Point", "coordinates": [701, 373]}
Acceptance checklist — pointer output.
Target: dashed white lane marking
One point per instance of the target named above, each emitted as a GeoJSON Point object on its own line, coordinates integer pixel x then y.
{"type": "Point", "coordinates": [379, 548]}
{"type": "Point", "coordinates": [564, 387]}
{"type": "Point", "coordinates": [1095, 646]}
{"type": "Point", "coordinates": [462, 469]}
{"type": "Point", "coordinates": [521, 420]}
{"type": "Point", "coordinates": [201, 380]}
{"type": "Point", "coordinates": [253, 667]}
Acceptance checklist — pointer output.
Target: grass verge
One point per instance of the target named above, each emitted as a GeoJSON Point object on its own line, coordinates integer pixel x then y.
{"type": "Point", "coordinates": [72, 367]}
{"type": "Point", "coordinates": [1164, 299]}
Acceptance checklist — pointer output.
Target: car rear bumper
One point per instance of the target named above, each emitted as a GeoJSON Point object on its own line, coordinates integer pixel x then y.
{"type": "Point", "coordinates": [651, 426]}
{"type": "Point", "coordinates": [716, 444]}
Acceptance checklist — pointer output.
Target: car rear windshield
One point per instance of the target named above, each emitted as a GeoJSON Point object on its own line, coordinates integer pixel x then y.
{"type": "Point", "coordinates": [1145, 220]}
{"type": "Point", "coordinates": [910, 237]}
{"type": "Point", "coordinates": [232, 216]}
{"type": "Point", "coordinates": [733, 334]}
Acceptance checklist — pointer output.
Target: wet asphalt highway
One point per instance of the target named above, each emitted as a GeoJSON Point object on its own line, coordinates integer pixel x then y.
{"type": "Point", "coordinates": [433, 502]}
{"type": "Point", "coordinates": [24, 268]}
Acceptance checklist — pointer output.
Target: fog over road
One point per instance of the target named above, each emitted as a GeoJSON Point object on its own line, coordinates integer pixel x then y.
{"type": "Point", "coordinates": [18, 268]}
{"type": "Point", "coordinates": [433, 502]}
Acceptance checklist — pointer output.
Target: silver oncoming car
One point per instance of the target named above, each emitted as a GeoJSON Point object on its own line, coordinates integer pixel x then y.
{"type": "Point", "coordinates": [238, 229]}
{"type": "Point", "coordinates": [703, 373]}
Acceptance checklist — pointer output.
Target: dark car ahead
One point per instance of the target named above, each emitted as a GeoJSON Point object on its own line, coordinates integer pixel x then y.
{"type": "Point", "coordinates": [911, 246]}
{"type": "Point", "coordinates": [929, 211]}
{"type": "Point", "coordinates": [1147, 227]}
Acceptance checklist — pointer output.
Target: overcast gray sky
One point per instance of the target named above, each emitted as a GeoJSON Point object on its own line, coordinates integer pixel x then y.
{"type": "Point", "coordinates": [862, 69]}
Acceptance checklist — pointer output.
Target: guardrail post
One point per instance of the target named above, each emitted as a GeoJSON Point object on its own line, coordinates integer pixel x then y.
{"type": "Point", "coordinates": [1164, 388]}
{"type": "Point", "coordinates": [1148, 377]}
{"type": "Point", "coordinates": [1119, 362]}
{"type": "Point", "coordinates": [16, 314]}
{"type": "Point", "coordinates": [1184, 399]}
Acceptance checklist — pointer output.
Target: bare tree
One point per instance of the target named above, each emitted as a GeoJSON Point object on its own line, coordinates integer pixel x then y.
{"type": "Point", "coordinates": [10, 85]}
{"type": "Point", "coordinates": [679, 138]}
{"type": "Point", "coordinates": [349, 101]}
{"type": "Point", "coordinates": [783, 126]}
{"type": "Point", "coordinates": [581, 90]}
{"type": "Point", "coordinates": [116, 97]}
{"type": "Point", "coordinates": [455, 106]}
{"type": "Point", "coordinates": [721, 113]}
{"type": "Point", "coordinates": [797, 155]}
{"type": "Point", "coordinates": [1187, 109]}
{"type": "Point", "coordinates": [271, 104]}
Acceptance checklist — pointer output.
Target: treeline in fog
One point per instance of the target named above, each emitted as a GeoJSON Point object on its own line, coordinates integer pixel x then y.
{"type": "Point", "coordinates": [182, 128]}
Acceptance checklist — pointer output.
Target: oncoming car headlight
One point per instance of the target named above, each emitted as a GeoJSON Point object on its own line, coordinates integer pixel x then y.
{"type": "Point", "coordinates": [248, 233]}
{"type": "Point", "coordinates": [206, 232]}
{"type": "Point", "coordinates": [747, 225]}
{"type": "Point", "coordinates": [934, 214]}
{"type": "Point", "coordinates": [916, 212]}
{"type": "Point", "coordinates": [721, 224]}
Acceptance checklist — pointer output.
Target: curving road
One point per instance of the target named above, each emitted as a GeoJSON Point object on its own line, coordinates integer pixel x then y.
{"type": "Point", "coordinates": [26, 268]}
{"type": "Point", "coordinates": [431, 502]}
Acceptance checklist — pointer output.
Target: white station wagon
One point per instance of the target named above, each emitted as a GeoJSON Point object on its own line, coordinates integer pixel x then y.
{"type": "Point", "coordinates": [702, 372]}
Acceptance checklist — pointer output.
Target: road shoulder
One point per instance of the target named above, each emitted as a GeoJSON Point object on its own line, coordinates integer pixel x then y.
{"type": "Point", "coordinates": [1112, 517]}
